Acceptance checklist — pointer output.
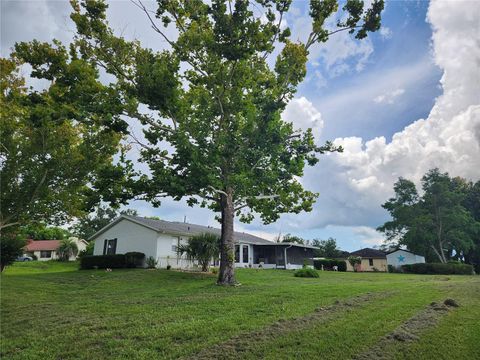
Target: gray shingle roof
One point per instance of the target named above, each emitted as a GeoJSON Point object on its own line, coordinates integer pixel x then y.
{"type": "Point", "coordinates": [193, 229]}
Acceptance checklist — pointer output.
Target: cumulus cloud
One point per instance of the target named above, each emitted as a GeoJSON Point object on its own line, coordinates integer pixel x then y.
{"type": "Point", "coordinates": [304, 115]}
{"type": "Point", "coordinates": [385, 32]}
{"type": "Point", "coordinates": [449, 138]}
{"type": "Point", "coordinates": [389, 97]}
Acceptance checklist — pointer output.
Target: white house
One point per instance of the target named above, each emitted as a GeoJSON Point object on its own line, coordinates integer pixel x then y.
{"type": "Point", "coordinates": [159, 239]}
{"type": "Point", "coordinates": [401, 257]}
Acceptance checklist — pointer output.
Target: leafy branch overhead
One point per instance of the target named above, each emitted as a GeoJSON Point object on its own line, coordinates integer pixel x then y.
{"type": "Point", "coordinates": [213, 124]}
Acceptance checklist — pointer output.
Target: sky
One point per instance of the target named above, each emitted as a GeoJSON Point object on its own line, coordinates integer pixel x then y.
{"type": "Point", "coordinates": [402, 101]}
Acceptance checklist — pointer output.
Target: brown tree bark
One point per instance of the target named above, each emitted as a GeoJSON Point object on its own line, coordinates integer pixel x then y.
{"type": "Point", "coordinates": [226, 274]}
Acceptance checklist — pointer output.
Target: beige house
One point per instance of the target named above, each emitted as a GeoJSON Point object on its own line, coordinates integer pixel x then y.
{"type": "Point", "coordinates": [372, 260]}
{"type": "Point", "coordinates": [45, 250]}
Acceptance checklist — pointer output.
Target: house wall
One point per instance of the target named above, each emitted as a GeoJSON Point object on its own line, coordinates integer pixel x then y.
{"type": "Point", "coordinates": [379, 264]}
{"type": "Point", "coordinates": [37, 254]}
{"type": "Point", "coordinates": [401, 257]}
{"type": "Point", "coordinates": [130, 237]}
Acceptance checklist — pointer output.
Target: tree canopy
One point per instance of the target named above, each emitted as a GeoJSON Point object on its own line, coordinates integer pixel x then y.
{"type": "Point", "coordinates": [440, 223]}
{"type": "Point", "coordinates": [213, 132]}
{"type": "Point", "coordinates": [326, 248]}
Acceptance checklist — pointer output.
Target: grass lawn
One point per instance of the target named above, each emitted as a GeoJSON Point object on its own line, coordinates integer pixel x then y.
{"type": "Point", "coordinates": [53, 311]}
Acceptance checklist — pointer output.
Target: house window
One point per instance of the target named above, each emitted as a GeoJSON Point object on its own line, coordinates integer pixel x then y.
{"type": "Point", "coordinates": [370, 262]}
{"type": "Point", "coordinates": [245, 253]}
{"type": "Point", "coordinates": [237, 253]}
{"type": "Point", "coordinates": [109, 246]}
{"type": "Point", "coordinates": [175, 244]}
{"type": "Point", "coordinates": [45, 254]}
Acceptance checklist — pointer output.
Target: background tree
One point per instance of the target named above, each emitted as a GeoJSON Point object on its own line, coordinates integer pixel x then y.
{"type": "Point", "coordinates": [89, 224]}
{"type": "Point", "coordinates": [214, 132]}
{"type": "Point", "coordinates": [40, 231]}
{"type": "Point", "coordinates": [202, 248]}
{"type": "Point", "coordinates": [436, 222]}
{"type": "Point", "coordinates": [52, 141]}
{"type": "Point", "coordinates": [67, 249]}
{"type": "Point", "coordinates": [288, 238]}
{"type": "Point", "coordinates": [326, 248]}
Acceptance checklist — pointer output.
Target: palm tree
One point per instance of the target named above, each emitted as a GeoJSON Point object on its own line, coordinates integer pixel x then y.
{"type": "Point", "coordinates": [67, 249]}
{"type": "Point", "coordinates": [202, 248]}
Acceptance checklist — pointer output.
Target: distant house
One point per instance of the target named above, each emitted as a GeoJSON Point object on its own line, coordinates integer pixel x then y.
{"type": "Point", "coordinates": [45, 250]}
{"type": "Point", "coordinates": [400, 257]}
{"type": "Point", "coordinates": [159, 239]}
{"type": "Point", "coordinates": [372, 260]}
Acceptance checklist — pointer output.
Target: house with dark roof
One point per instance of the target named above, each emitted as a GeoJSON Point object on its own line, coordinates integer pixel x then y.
{"type": "Point", "coordinates": [160, 239]}
{"type": "Point", "coordinates": [371, 260]}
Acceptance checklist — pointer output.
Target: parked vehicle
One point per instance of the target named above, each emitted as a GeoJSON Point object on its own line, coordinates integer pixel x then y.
{"type": "Point", "coordinates": [24, 258]}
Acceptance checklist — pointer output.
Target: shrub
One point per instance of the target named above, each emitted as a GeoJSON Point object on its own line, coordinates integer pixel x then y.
{"type": "Point", "coordinates": [203, 248]}
{"type": "Point", "coordinates": [439, 268]}
{"type": "Point", "coordinates": [88, 250]}
{"type": "Point", "coordinates": [393, 269]}
{"type": "Point", "coordinates": [354, 260]}
{"type": "Point", "coordinates": [11, 247]}
{"type": "Point", "coordinates": [169, 267]}
{"type": "Point", "coordinates": [151, 262]}
{"type": "Point", "coordinates": [134, 259]}
{"type": "Point", "coordinates": [67, 249]}
{"type": "Point", "coordinates": [306, 272]}
{"type": "Point", "coordinates": [328, 264]}
{"type": "Point", "coordinates": [102, 261]}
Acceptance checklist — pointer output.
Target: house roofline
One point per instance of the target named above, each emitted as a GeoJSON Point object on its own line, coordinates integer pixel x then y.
{"type": "Point", "coordinates": [116, 221]}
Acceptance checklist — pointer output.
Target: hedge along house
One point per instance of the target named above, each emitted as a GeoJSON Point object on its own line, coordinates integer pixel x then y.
{"type": "Point", "coordinates": [372, 260]}
{"type": "Point", "coordinates": [159, 239]}
{"type": "Point", "coordinates": [400, 257]}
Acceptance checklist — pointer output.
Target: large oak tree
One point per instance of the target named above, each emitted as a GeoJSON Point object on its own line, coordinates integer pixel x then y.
{"type": "Point", "coordinates": [210, 105]}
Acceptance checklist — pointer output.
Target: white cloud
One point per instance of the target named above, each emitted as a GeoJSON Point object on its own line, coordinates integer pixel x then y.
{"type": "Point", "coordinates": [385, 32]}
{"type": "Point", "coordinates": [304, 115]}
{"type": "Point", "coordinates": [389, 97]}
{"type": "Point", "coordinates": [449, 138]}
{"type": "Point", "coordinates": [368, 236]}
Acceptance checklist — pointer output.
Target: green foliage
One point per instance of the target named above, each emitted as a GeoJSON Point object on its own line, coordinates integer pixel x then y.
{"type": "Point", "coordinates": [354, 260]}
{"type": "Point", "coordinates": [215, 100]}
{"type": "Point", "coordinates": [151, 262]}
{"type": "Point", "coordinates": [306, 272]}
{"type": "Point", "coordinates": [328, 264]}
{"type": "Point", "coordinates": [11, 247]}
{"type": "Point", "coordinates": [40, 231]}
{"type": "Point", "coordinates": [103, 261]}
{"type": "Point", "coordinates": [326, 248]}
{"type": "Point", "coordinates": [437, 224]}
{"type": "Point", "coordinates": [88, 250]}
{"type": "Point", "coordinates": [53, 141]}
{"type": "Point", "coordinates": [439, 268]}
{"type": "Point", "coordinates": [134, 259]}
{"type": "Point", "coordinates": [67, 249]}
{"type": "Point", "coordinates": [288, 238]}
{"type": "Point", "coordinates": [203, 248]}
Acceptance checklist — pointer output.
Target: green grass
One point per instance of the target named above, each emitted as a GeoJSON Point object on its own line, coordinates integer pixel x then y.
{"type": "Point", "coordinates": [52, 311]}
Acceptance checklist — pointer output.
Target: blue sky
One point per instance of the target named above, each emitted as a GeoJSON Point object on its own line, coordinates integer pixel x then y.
{"type": "Point", "coordinates": [400, 102]}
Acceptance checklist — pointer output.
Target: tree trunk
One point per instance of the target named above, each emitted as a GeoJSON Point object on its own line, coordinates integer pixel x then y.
{"type": "Point", "coordinates": [226, 274]}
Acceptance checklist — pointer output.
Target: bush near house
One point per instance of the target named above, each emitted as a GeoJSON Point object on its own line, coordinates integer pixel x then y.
{"type": "Point", "coordinates": [103, 261]}
{"type": "Point", "coordinates": [306, 272]}
{"type": "Point", "coordinates": [134, 259]}
{"type": "Point", "coordinates": [439, 268]}
{"type": "Point", "coordinates": [328, 264]}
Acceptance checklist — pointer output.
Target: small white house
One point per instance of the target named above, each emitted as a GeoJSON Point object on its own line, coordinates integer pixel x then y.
{"type": "Point", "coordinates": [159, 239]}
{"type": "Point", "coordinates": [400, 257]}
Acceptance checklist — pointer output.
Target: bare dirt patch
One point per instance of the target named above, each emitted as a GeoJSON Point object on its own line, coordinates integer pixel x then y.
{"type": "Point", "coordinates": [410, 330]}
{"type": "Point", "coordinates": [240, 344]}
